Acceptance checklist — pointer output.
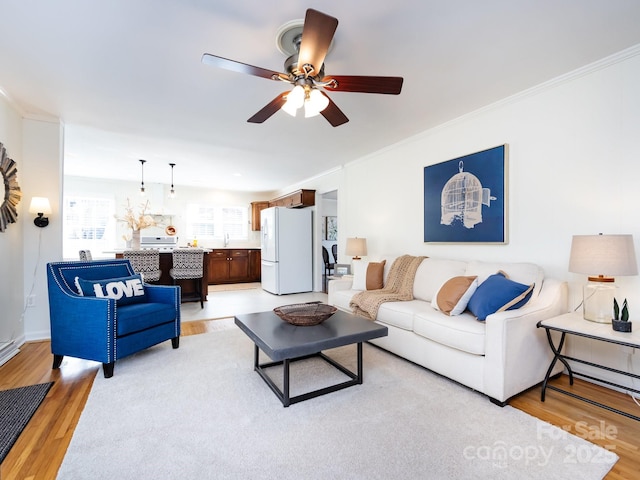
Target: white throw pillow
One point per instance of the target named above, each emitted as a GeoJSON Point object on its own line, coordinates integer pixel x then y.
{"type": "Point", "coordinates": [367, 275]}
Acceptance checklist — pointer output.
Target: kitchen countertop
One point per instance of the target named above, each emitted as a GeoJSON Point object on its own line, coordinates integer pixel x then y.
{"type": "Point", "coordinates": [162, 250]}
{"type": "Point", "coordinates": [206, 249]}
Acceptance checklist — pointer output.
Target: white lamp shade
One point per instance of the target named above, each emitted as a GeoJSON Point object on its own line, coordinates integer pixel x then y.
{"type": "Point", "coordinates": [315, 103]}
{"type": "Point", "coordinates": [295, 99]}
{"type": "Point", "coordinates": [40, 205]}
{"type": "Point", "coordinates": [289, 108]}
{"type": "Point", "coordinates": [356, 247]}
{"type": "Point", "coordinates": [606, 255]}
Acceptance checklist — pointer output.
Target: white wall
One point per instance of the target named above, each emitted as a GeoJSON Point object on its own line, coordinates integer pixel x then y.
{"type": "Point", "coordinates": [42, 160]}
{"type": "Point", "coordinates": [574, 167]}
{"type": "Point", "coordinates": [11, 248]}
{"type": "Point", "coordinates": [35, 145]}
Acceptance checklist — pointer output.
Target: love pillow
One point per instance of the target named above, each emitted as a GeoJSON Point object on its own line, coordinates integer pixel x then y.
{"type": "Point", "coordinates": [123, 290]}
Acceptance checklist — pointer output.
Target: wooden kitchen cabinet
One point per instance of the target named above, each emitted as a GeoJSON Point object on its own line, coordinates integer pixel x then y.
{"type": "Point", "coordinates": [256, 208]}
{"type": "Point", "coordinates": [297, 199]}
{"type": "Point", "coordinates": [255, 260]}
{"type": "Point", "coordinates": [231, 266]}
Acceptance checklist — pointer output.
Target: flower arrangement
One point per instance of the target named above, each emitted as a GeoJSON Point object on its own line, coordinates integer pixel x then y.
{"type": "Point", "coordinates": [137, 221]}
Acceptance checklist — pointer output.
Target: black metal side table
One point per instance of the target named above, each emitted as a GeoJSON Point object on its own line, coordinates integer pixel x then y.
{"type": "Point", "coordinates": [574, 324]}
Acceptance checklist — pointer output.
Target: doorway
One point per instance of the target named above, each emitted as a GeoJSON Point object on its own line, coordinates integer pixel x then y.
{"type": "Point", "coordinates": [329, 236]}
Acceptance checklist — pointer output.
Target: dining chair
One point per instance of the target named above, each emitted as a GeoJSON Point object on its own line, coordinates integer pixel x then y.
{"type": "Point", "coordinates": [188, 264]}
{"type": "Point", "coordinates": [146, 262]}
{"type": "Point", "coordinates": [85, 255]}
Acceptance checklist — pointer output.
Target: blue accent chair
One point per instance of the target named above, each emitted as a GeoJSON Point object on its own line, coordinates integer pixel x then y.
{"type": "Point", "coordinates": [98, 329]}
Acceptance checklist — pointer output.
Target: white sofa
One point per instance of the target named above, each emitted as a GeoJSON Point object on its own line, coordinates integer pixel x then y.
{"type": "Point", "coordinates": [500, 357]}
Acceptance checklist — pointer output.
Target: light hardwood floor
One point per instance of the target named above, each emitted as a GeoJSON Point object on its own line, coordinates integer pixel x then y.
{"type": "Point", "coordinates": [40, 449]}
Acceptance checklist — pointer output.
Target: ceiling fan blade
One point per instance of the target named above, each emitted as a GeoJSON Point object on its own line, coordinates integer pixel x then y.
{"type": "Point", "coordinates": [272, 107]}
{"type": "Point", "coordinates": [240, 67]}
{"type": "Point", "coordinates": [317, 34]}
{"type": "Point", "coordinates": [364, 84]}
{"type": "Point", "coordinates": [333, 114]}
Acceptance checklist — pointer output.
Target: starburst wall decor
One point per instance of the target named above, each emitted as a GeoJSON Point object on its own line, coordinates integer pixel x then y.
{"type": "Point", "coordinates": [12, 193]}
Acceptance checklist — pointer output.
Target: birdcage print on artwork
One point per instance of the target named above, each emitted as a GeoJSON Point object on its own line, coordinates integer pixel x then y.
{"type": "Point", "coordinates": [465, 198]}
{"type": "Point", "coordinates": [462, 199]}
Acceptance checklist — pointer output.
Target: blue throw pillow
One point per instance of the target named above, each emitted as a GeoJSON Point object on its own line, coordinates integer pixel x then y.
{"type": "Point", "coordinates": [123, 290]}
{"type": "Point", "coordinates": [496, 294]}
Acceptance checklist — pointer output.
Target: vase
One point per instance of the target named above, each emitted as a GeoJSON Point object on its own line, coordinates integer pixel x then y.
{"type": "Point", "coordinates": [135, 240]}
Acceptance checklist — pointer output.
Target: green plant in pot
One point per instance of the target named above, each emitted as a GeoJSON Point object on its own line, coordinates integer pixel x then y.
{"type": "Point", "coordinates": [620, 322]}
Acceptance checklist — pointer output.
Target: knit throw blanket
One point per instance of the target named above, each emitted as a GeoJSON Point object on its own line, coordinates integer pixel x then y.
{"type": "Point", "coordinates": [399, 287]}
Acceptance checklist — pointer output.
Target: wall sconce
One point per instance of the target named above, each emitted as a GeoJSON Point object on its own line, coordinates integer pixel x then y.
{"type": "Point", "coordinates": [356, 247]}
{"type": "Point", "coordinates": [40, 206]}
{"type": "Point", "coordinates": [142, 162]}
{"type": "Point", "coordinates": [172, 192]}
{"type": "Point", "coordinates": [601, 257]}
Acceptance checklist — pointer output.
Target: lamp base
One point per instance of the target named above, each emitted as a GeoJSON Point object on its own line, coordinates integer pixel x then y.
{"type": "Point", "coordinates": [598, 294]}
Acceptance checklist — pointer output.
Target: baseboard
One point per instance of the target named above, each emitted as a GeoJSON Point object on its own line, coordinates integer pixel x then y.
{"type": "Point", "coordinates": [37, 336]}
{"type": "Point", "coordinates": [8, 351]}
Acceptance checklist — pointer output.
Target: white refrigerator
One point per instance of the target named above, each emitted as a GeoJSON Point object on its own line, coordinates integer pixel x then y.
{"type": "Point", "coordinates": [287, 252]}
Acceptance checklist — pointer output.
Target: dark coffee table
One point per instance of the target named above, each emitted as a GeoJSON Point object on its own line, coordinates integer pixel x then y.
{"type": "Point", "coordinates": [284, 343]}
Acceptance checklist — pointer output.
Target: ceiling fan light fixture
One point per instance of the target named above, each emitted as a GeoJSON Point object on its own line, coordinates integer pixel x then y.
{"type": "Point", "coordinates": [306, 44]}
{"type": "Point", "coordinates": [289, 108]}
{"type": "Point", "coordinates": [296, 97]}
{"type": "Point", "coordinates": [315, 103]}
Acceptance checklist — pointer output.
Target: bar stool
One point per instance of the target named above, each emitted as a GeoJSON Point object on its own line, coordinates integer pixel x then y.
{"type": "Point", "coordinates": [188, 264]}
{"type": "Point", "coordinates": [145, 262]}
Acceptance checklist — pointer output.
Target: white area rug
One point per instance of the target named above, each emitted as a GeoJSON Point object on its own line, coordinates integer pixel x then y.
{"type": "Point", "coordinates": [201, 412]}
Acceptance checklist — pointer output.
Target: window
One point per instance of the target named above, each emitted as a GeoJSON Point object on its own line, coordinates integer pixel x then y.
{"type": "Point", "coordinates": [206, 222]}
{"type": "Point", "coordinates": [89, 224]}
{"type": "Point", "coordinates": [201, 222]}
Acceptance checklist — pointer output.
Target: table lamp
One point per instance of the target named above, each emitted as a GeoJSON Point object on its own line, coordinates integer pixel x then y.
{"type": "Point", "coordinates": [601, 257]}
{"type": "Point", "coordinates": [356, 247]}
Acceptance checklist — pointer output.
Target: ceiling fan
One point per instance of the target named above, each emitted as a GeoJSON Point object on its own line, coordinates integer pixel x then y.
{"type": "Point", "coordinates": [305, 70]}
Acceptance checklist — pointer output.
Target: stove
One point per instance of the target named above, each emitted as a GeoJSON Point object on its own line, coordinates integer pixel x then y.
{"type": "Point", "coordinates": [162, 243]}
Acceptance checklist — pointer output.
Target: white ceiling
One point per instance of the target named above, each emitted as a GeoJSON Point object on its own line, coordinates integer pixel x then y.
{"type": "Point", "coordinates": [126, 77]}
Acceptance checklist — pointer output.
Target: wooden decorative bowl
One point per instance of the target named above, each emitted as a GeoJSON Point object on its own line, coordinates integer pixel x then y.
{"type": "Point", "coordinates": [305, 314]}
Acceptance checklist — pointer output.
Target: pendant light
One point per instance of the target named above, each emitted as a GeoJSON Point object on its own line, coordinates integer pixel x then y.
{"type": "Point", "coordinates": [142, 162]}
{"type": "Point", "coordinates": [172, 192]}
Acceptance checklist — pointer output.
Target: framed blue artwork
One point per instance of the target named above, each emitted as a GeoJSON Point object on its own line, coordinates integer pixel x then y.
{"type": "Point", "coordinates": [465, 199]}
